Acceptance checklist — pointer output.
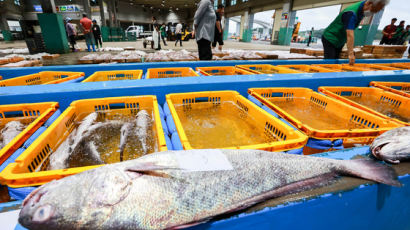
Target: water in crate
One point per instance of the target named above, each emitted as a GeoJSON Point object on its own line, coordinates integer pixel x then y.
{"type": "Point", "coordinates": [10, 130]}
{"type": "Point", "coordinates": [268, 71]}
{"type": "Point", "coordinates": [105, 138]}
{"type": "Point", "coordinates": [223, 125]}
{"type": "Point", "coordinates": [383, 107]}
{"type": "Point", "coordinates": [313, 114]}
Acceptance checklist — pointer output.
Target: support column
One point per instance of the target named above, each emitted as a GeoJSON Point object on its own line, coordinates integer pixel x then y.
{"type": "Point", "coordinates": [5, 30]}
{"type": "Point", "coordinates": [238, 29]}
{"type": "Point", "coordinates": [87, 8]}
{"type": "Point", "coordinates": [287, 24]}
{"type": "Point", "coordinates": [52, 28]}
{"type": "Point", "coordinates": [276, 26]}
{"type": "Point", "coordinates": [114, 8]}
{"type": "Point", "coordinates": [110, 13]}
{"type": "Point", "coordinates": [226, 29]}
{"type": "Point", "coordinates": [102, 13]}
{"type": "Point", "coordinates": [246, 27]}
{"type": "Point", "coordinates": [365, 33]}
{"type": "Point", "coordinates": [243, 25]}
{"type": "Point", "coordinates": [48, 6]}
{"type": "Point", "coordinates": [105, 29]}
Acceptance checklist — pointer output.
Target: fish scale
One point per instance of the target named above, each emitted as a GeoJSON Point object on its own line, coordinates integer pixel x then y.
{"type": "Point", "coordinates": [159, 190]}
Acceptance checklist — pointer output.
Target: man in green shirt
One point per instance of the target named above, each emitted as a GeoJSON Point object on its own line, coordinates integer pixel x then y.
{"type": "Point", "coordinates": [399, 33]}
{"type": "Point", "coordinates": [163, 33]}
{"type": "Point", "coordinates": [341, 30]}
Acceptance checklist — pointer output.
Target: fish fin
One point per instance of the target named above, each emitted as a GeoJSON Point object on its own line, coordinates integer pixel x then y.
{"type": "Point", "coordinates": [150, 169]}
{"type": "Point", "coordinates": [370, 170]}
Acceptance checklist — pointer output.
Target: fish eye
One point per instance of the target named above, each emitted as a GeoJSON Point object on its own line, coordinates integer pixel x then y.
{"type": "Point", "coordinates": [43, 213]}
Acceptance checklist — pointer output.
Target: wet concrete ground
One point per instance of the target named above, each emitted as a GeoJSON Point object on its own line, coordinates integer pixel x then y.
{"type": "Point", "coordinates": [72, 58]}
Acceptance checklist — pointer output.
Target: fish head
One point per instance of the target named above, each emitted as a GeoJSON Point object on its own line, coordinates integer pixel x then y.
{"type": "Point", "coordinates": [143, 113]}
{"type": "Point", "coordinates": [392, 146]}
{"type": "Point", "coordinates": [85, 199]}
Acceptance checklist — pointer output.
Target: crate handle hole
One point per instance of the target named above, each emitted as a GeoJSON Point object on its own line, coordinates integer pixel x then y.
{"type": "Point", "coordinates": [277, 94]}
{"type": "Point", "coordinates": [13, 114]}
{"type": "Point", "coordinates": [346, 93]}
{"type": "Point", "coordinates": [201, 99]}
{"type": "Point", "coordinates": [117, 106]}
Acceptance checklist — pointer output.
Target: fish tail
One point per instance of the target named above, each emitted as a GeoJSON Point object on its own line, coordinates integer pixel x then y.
{"type": "Point", "coordinates": [371, 170]}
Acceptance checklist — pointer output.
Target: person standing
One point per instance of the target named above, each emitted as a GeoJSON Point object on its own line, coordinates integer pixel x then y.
{"type": "Point", "coordinates": [398, 34]}
{"type": "Point", "coordinates": [204, 28]}
{"type": "Point", "coordinates": [163, 33]}
{"type": "Point", "coordinates": [153, 23]}
{"type": "Point", "coordinates": [341, 30]}
{"type": "Point", "coordinates": [388, 32]}
{"type": "Point", "coordinates": [97, 33]}
{"type": "Point", "coordinates": [404, 36]}
{"type": "Point", "coordinates": [86, 25]}
{"type": "Point", "coordinates": [71, 32]}
{"type": "Point", "coordinates": [310, 36]}
{"type": "Point", "coordinates": [178, 33]}
{"type": "Point", "coordinates": [156, 38]}
{"type": "Point", "coordinates": [218, 28]}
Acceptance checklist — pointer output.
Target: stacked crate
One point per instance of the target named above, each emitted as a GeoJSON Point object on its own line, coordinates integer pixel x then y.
{"type": "Point", "coordinates": [385, 52]}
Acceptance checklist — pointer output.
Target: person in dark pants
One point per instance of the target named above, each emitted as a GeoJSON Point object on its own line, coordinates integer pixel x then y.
{"type": "Point", "coordinates": [71, 33]}
{"type": "Point", "coordinates": [97, 33]}
{"type": "Point", "coordinates": [388, 32]}
{"type": "Point", "coordinates": [86, 25]}
{"type": "Point", "coordinates": [218, 28]}
{"type": "Point", "coordinates": [178, 33]}
{"type": "Point", "coordinates": [163, 33]}
{"type": "Point", "coordinates": [341, 30]}
{"type": "Point", "coordinates": [310, 36]}
{"type": "Point", "coordinates": [204, 24]}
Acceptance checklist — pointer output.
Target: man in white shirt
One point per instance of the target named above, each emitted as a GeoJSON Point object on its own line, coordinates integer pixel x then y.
{"type": "Point", "coordinates": [178, 32]}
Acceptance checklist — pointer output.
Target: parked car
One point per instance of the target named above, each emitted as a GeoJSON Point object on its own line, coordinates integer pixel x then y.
{"type": "Point", "coordinates": [134, 30]}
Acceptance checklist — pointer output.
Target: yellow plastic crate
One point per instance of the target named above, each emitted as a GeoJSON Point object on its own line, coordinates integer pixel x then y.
{"type": "Point", "coordinates": [171, 72]}
{"type": "Point", "coordinates": [319, 116]}
{"type": "Point", "coordinates": [35, 114]}
{"type": "Point", "coordinates": [26, 171]}
{"type": "Point", "coordinates": [401, 88]}
{"type": "Point", "coordinates": [46, 77]}
{"type": "Point", "coordinates": [115, 75]}
{"type": "Point", "coordinates": [343, 68]}
{"type": "Point", "coordinates": [381, 103]}
{"type": "Point", "coordinates": [222, 70]}
{"type": "Point", "coordinates": [309, 68]}
{"type": "Point", "coordinates": [375, 67]}
{"type": "Point", "coordinates": [276, 135]}
{"type": "Point", "coordinates": [267, 69]}
{"type": "Point", "coordinates": [404, 65]}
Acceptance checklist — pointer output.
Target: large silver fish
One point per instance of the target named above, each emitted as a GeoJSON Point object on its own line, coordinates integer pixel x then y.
{"type": "Point", "coordinates": [83, 127]}
{"type": "Point", "coordinates": [79, 149]}
{"type": "Point", "coordinates": [10, 131]}
{"type": "Point", "coordinates": [182, 188]}
{"type": "Point", "coordinates": [392, 146]}
{"type": "Point", "coordinates": [125, 132]}
{"type": "Point", "coordinates": [143, 122]}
